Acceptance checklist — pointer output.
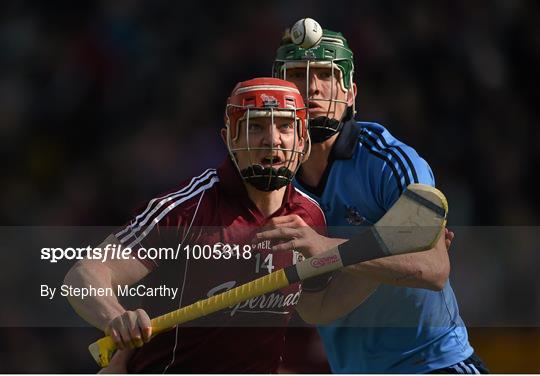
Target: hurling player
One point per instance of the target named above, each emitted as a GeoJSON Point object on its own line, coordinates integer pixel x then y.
{"type": "Point", "coordinates": [393, 315]}
{"type": "Point", "coordinates": [266, 135]}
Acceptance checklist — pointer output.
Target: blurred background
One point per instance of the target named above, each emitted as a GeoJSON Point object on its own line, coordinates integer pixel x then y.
{"type": "Point", "coordinates": [105, 104]}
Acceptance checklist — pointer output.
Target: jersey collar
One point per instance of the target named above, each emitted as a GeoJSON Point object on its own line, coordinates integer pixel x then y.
{"type": "Point", "coordinates": [232, 185]}
{"type": "Point", "coordinates": [343, 148]}
{"type": "Point", "coordinates": [346, 142]}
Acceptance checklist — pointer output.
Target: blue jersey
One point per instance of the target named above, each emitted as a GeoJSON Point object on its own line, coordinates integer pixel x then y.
{"type": "Point", "coordinates": [396, 329]}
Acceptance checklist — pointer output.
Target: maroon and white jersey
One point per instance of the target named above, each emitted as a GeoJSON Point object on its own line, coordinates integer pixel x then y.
{"type": "Point", "coordinates": [214, 210]}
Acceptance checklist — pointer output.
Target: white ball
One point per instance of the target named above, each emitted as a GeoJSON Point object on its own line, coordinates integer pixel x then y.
{"type": "Point", "coordinates": [306, 33]}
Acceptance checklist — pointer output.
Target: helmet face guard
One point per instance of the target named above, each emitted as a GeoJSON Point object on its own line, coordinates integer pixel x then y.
{"type": "Point", "coordinates": [331, 52]}
{"type": "Point", "coordinates": [274, 100]}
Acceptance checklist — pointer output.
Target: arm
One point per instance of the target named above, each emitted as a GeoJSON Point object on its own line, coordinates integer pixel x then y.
{"type": "Point", "coordinates": [345, 292]}
{"type": "Point", "coordinates": [429, 269]}
{"type": "Point", "coordinates": [350, 287]}
{"type": "Point", "coordinates": [128, 328]}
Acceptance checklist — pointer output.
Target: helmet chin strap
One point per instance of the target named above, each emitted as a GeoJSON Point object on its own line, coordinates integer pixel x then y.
{"type": "Point", "coordinates": [267, 179]}
{"type": "Point", "coordinates": [322, 128]}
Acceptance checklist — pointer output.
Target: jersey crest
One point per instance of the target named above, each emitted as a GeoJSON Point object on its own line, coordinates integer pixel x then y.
{"type": "Point", "coordinates": [354, 217]}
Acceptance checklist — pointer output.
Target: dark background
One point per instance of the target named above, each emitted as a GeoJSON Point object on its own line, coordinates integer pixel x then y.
{"type": "Point", "coordinates": [105, 104]}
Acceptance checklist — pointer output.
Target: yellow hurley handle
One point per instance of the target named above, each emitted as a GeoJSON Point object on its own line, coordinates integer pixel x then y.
{"type": "Point", "coordinates": [103, 349]}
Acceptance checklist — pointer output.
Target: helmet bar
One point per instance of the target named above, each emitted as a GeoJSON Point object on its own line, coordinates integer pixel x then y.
{"type": "Point", "coordinates": [331, 52]}
{"type": "Point", "coordinates": [268, 98]}
{"type": "Point", "coordinates": [297, 155]}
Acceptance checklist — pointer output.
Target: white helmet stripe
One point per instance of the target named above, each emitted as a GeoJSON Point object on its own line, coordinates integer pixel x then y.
{"type": "Point", "coordinates": [265, 87]}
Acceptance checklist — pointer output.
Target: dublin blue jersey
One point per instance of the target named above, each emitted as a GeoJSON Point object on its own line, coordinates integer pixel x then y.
{"type": "Point", "coordinates": [396, 329]}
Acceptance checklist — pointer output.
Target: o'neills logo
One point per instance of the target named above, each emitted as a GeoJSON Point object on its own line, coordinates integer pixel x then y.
{"type": "Point", "coordinates": [320, 262]}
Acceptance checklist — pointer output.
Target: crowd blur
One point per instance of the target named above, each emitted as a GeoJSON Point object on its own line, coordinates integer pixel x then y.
{"type": "Point", "coordinates": [105, 104]}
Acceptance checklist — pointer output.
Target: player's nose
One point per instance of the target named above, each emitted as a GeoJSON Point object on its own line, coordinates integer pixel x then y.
{"type": "Point", "coordinates": [312, 84]}
{"type": "Point", "coordinates": [272, 136]}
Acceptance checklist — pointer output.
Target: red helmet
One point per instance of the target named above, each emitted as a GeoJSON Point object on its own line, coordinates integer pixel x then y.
{"type": "Point", "coordinates": [267, 97]}
{"type": "Point", "coordinates": [263, 94]}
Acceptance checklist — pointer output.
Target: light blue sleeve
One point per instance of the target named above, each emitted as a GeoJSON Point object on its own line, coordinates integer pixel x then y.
{"type": "Point", "coordinates": [403, 168]}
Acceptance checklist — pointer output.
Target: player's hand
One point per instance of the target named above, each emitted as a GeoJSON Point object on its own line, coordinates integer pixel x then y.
{"type": "Point", "coordinates": [296, 235]}
{"type": "Point", "coordinates": [130, 329]}
{"type": "Point", "coordinates": [448, 238]}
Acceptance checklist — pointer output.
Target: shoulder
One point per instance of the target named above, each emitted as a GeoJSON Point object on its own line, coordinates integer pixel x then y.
{"type": "Point", "coordinates": [308, 208]}
{"type": "Point", "coordinates": [386, 154]}
{"type": "Point", "coordinates": [185, 197]}
{"type": "Point", "coordinates": [188, 195]}
{"type": "Point", "coordinates": [171, 208]}
{"type": "Point", "coordinates": [387, 165]}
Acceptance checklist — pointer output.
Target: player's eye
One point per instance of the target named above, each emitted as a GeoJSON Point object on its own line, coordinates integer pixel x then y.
{"type": "Point", "coordinates": [296, 74]}
{"type": "Point", "coordinates": [254, 127]}
{"type": "Point", "coordinates": [286, 127]}
{"type": "Point", "coordinates": [325, 75]}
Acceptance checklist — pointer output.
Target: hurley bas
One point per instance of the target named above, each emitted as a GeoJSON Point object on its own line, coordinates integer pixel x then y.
{"type": "Point", "coordinates": [122, 290]}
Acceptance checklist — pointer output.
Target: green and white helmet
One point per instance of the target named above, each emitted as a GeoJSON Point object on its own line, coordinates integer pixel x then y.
{"type": "Point", "coordinates": [332, 51]}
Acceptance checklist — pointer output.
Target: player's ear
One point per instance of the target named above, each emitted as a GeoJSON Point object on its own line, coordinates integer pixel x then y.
{"type": "Point", "coordinates": [223, 133]}
{"type": "Point", "coordinates": [306, 147]}
{"type": "Point", "coordinates": [301, 143]}
{"type": "Point", "coordinates": [351, 95]}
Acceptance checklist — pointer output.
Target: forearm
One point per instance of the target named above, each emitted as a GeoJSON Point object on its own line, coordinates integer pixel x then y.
{"type": "Point", "coordinates": [399, 270]}
{"type": "Point", "coordinates": [96, 310]}
{"type": "Point", "coordinates": [100, 310]}
{"type": "Point", "coordinates": [428, 269]}
{"type": "Point", "coordinates": [345, 292]}
{"type": "Point", "coordinates": [309, 307]}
